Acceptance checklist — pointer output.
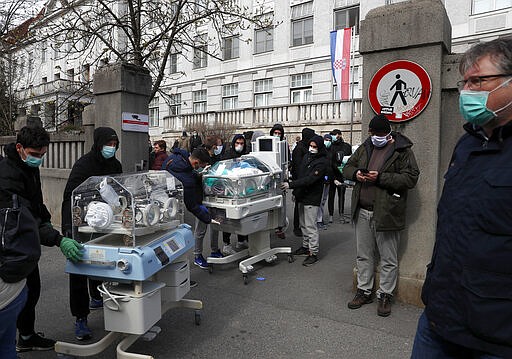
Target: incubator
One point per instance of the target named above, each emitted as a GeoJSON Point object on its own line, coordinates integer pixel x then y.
{"type": "Point", "coordinates": [243, 195]}
{"type": "Point", "coordinates": [131, 226]}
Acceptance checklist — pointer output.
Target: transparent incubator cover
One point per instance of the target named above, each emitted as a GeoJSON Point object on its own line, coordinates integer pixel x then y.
{"type": "Point", "coordinates": [133, 205]}
{"type": "Point", "coordinates": [236, 178]}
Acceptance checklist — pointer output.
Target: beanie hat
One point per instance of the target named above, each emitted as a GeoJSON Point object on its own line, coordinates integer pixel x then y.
{"type": "Point", "coordinates": [328, 137]}
{"type": "Point", "coordinates": [307, 133]}
{"type": "Point", "coordinates": [380, 124]}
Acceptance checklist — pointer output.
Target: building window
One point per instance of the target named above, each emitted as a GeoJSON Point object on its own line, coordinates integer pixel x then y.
{"type": "Point", "coordinates": [71, 74]}
{"type": "Point", "coordinates": [230, 97]}
{"type": "Point", "coordinates": [30, 62]}
{"type": "Point", "coordinates": [86, 73]}
{"type": "Point", "coordinates": [153, 112]}
{"type": "Point", "coordinates": [263, 40]}
{"type": "Point", "coordinates": [175, 106]}
{"type": "Point", "coordinates": [302, 24]}
{"type": "Point", "coordinates": [301, 88]}
{"type": "Point", "coordinates": [173, 63]}
{"type": "Point", "coordinates": [199, 101]}
{"type": "Point", "coordinates": [43, 52]}
{"type": "Point", "coordinates": [230, 47]}
{"type": "Point", "coordinates": [262, 92]}
{"type": "Point", "coordinates": [200, 54]}
{"type": "Point", "coordinates": [348, 17]}
{"type": "Point", "coordinates": [355, 90]}
{"type": "Point", "coordinates": [480, 6]}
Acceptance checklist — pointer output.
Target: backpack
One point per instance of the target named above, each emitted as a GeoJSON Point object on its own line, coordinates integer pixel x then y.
{"type": "Point", "coordinates": [20, 247]}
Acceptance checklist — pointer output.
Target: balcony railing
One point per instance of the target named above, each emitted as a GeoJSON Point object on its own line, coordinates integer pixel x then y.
{"type": "Point", "coordinates": [313, 113]}
{"type": "Point", "coordinates": [61, 85]}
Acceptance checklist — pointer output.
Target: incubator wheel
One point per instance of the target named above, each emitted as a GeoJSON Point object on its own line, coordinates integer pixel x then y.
{"type": "Point", "coordinates": [210, 268]}
{"type": "Point", "coordinates": [290, 258]}
{"type": "Point", "coordinates": [246, 279]}
{"type": "Point", "coordinates": [197, 317]}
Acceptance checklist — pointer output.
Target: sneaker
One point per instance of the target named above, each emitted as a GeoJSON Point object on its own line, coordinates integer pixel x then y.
{"type": "Point", "coordinates": [302, 251]}
{"type": "Point", "coordinates": [228, 250]}
{"type": "Point", "coordinates": [384, 307]}
{"type": "Point", "coordinates": [193, 284]}
{"type": "Point", "coordinates": [360, 299]}
{"type": "Point", "coordinates": [321, 225]}
{"type": "Point", "coordinates": [82, 331]}
{"type": "Point", "coordinates": [36, 342]}
{"type": "Point", "coordinates": [95, 304]}
{"type": "Point", "coordinates": [201, 262]}
{"type": "Point", "coordinates": [280, 234]}
{"type": "Point", "coordinates": [216, 254]}
{"type": "Point", "coordinates": [330, 219]}
{"type": "Point", "coordinates": [310, 260]}
{"type": "Point", "coordinates": [242, 245]}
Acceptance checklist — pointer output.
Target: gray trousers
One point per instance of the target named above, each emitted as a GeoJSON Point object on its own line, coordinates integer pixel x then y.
{"type": "Point", "coordinates": [325, 196]}
{"type": "Point", "coordinates": [199, 233]}
{"type": "Point", "coordinates": [307, 220]}
{"type": "Point", "coordinates": [368, 240]}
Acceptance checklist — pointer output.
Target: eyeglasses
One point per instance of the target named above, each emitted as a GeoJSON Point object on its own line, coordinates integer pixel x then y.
{"type": "Point", "coordinates": [475, 82]}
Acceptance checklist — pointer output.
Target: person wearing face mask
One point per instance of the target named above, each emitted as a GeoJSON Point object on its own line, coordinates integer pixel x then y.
{"type": "Point", "coordinates": [237, 149]}
{"type": "Point", "coordinates": [339, 150]}
{"type": "Point", "coordinates": [186, 168]}
{"type": "Point", "coordinates": [195, 141]}
{"type": "Point", "coordinates": [384, 168]}
{"type": "Point", "coordinates": [307, 188]}
{"type": "Point", "coordinates": [327, 184]}
{"type": "Point", "coordinates": [99, 161]}
{"type": "Point", "coordinates": [19, 174]}
{"type": "Point", "coordinates": [466, 291]}
{"type": "Point", "coordinates": [278, 131]}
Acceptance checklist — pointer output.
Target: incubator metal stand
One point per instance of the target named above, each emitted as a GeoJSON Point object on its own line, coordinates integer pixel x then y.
{"type": "Point", "coordinates": [135, 241]}
{"type": "Point", "coordinates": [243, 195]}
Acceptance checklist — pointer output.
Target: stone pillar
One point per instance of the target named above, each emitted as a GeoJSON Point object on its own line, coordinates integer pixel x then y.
{"type": "Point", "coordinates": [418, 31]}
{"type": "Point", "coordinates": [122, 88]}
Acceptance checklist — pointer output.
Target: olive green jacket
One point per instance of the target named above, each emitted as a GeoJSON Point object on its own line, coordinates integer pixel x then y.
{"type": "Point", "coordinates": [398, 174]}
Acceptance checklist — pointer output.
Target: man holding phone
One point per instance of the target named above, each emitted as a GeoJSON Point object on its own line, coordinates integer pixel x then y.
{"type": "Point", "coordinates": [384, 169]}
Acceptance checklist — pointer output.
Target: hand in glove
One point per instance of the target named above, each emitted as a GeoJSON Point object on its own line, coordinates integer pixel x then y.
{"type": "Point", "coordinates": [284, 186]}
{"type": "Point", "coordinates": [337, 183]}
{"type": "Point", "coordinates": [71, 249]}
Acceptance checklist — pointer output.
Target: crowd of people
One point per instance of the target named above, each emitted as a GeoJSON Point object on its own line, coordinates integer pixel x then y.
{"type": "Point", "coordinates": [467, 300]}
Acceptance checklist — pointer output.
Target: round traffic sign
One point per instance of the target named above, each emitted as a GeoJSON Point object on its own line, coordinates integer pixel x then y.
{"type": "Point", "coordinates": [400, 90]}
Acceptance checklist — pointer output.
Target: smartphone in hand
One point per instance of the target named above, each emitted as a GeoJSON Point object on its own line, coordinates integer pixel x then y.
{"type": "Point", "coordinates": [364, 170]}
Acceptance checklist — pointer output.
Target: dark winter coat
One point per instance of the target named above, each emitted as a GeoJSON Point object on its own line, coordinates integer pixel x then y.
{"type": "Point", "coordinates": [16, 177]}
{"type": "Point", "coordinates": [179, 166]}
{"type": "Point", "coordinates": [339, 148]}
{"type": "Point", "coordinates": [300, 151]}
{"type": "Point", "coordinates": [231, 153]}
{"type": "Point", "coordinates": [91, 164]}
{"type": "Point", "coordinates": [195, 142]}
{"type": "Point", "coordinates": [398, 174]}
{"type": "Point", "coordinates": [309, 184]}
{"type": "Point", "coordinates": [468, 286]}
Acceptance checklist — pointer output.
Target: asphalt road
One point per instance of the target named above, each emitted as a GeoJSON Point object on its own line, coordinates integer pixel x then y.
{"type": "Point", "coordinates": [285, 311]}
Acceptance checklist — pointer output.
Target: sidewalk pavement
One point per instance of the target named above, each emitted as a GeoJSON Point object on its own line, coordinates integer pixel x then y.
{"type": "Point", "coordinates": [286, 310]}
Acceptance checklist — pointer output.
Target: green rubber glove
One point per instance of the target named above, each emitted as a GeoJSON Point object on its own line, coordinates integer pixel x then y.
{"type": "Point", "coordinates": [71, 249]}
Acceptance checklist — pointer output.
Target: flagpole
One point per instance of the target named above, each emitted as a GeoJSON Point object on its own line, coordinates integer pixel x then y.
{"type": "Point", "coordinates": [352, 105]}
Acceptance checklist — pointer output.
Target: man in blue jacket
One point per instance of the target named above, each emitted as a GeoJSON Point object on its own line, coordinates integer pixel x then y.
{"type": "Point", "coordinates": [186, 168]}
{"type": "Point", "coordinates": [468, 287]}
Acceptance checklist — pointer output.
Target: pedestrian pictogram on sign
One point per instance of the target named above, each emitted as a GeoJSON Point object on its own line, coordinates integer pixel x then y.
{"type": "Point", "coordinates": [400, 90]}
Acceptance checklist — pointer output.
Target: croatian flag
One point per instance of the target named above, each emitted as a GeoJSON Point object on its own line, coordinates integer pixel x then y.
{"type": "Point", "coordinates": [340, 59]}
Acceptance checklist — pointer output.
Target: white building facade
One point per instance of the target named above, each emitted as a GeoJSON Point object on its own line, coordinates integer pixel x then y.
{"type": "Point", "coordinates": [282, 75]}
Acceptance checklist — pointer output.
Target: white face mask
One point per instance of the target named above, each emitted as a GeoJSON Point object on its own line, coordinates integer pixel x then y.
{"type": "Point", "coordinates": [217, 151]}
{"type": "Point", "coordinates": [380, 141]}
{"type": "Point", "coordinates": [313, 150]}
{"type": "Point", "coordinates": [239, 148]}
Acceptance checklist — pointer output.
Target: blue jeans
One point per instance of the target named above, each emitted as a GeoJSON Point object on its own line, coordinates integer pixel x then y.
{"type": "Point", "coordinates": [8, 317]}
{"type": "Point", "coordinates": [429, 345]}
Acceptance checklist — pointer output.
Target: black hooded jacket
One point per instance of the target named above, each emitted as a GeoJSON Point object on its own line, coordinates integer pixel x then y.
{"type": "Point", "coordinates": [91, 164]}
{"type": "Point", "coordinates": [16, 177]}
{"type": "Point", "coordinates": [231, 153]}
{"type": "Point", "coordinates": [308, 186]}
{"type": "Point", "coordinates": [300, 151]}
{"type": "Point", "coordinates": [278, 127]}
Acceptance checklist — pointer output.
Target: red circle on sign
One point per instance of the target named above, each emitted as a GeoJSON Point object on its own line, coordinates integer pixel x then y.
{"type": "Point", "coordinates": [411, 99]}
